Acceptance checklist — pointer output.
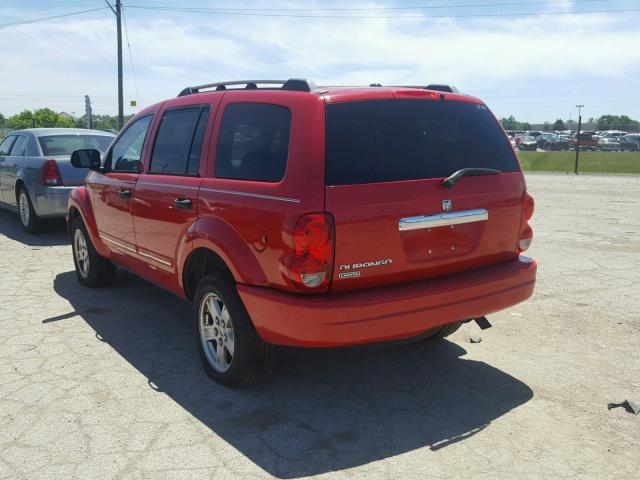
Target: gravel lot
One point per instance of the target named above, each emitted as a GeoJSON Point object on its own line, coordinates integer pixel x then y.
{"type": "Point", "coordinates": [106, 383]}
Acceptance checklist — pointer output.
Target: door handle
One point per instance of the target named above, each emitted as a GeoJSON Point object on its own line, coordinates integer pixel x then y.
{"type": "Point", "coordinates": [183, 203]}
{"type": "Point", "coordinates": [124, 193]}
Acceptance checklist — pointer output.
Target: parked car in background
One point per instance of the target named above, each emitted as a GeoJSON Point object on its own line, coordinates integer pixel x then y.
{"type": "Point", "coordinates": [558, 142]}
{"type": "Point", "coordinates": [528, 143]}
{"type": "Point", "coordinates": [609, 143]}
{"type": "Point", "coordinates": [311, 217]}
{"type": "Point", "coordinates": [586, 141]}
{"type": "Point", "coordinates": [36, 175]}
{"type": "Point", "coordinates": [630, 142]}
{"type": "Point", "coordinates": [543, 139]}
{"type": "Point", "coordinates": [612, 134]}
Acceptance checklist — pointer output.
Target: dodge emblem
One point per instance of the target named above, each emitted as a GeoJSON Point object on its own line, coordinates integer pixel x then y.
{"type": "Point", "coordinates": [446, 205]}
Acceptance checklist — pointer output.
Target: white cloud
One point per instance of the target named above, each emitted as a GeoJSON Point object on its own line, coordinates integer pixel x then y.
{"type": "Point", "coordinates": [56, 60]}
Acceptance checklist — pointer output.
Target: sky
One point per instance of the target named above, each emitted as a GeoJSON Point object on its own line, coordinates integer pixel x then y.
{"type": "Point", "coordinates": [533, 59]}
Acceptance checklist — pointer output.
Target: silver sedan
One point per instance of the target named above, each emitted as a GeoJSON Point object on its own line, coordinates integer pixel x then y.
{"type": "Point", "coordinates": [36, 175]}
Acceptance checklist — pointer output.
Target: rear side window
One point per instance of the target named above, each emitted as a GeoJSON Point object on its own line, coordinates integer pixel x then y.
{"type": "Point", "coordinates": [254, 142]}
{"type": "Point", "coordinates": [393, 140]}
{"type": "Point", "coordinates": [20, 147]}
{"type": "Point", "coordinates": [179, 141]}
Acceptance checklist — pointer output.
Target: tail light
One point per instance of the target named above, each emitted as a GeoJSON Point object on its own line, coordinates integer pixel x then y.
{"type": "Point", "coordinates": [50, 173]}
{"type": "Point", "coordinates": [312, 264]}
{"type": "Point", "coordinates": [526, 233]}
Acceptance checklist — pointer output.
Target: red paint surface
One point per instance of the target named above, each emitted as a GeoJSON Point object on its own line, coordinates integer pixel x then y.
{"type": "Point", "coordinates": [253, 234]}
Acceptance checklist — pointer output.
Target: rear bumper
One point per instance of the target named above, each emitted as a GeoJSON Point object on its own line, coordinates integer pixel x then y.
{"type": "Point", "coordinates": [388, 313]}
{"type": "Point", "coordinates": [51, 201]}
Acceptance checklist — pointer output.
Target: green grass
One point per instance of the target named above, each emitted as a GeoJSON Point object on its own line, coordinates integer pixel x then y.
{"type": "Point", "coordinates": [590, 162]}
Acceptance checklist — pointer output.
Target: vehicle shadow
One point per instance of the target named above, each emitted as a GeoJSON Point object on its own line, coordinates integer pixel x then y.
{"type": "Point", "coordinates": [320, 410]}
{"type": "Point", "coordinates": [53, 231]}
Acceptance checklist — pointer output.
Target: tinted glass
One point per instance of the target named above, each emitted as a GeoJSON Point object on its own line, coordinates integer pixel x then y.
{"type": "Point", "coordinates": [19, 147]}
{"type": "Point", "coordinates": [254, 142]}
{"type": "Point", "coordinates": [127, 151]}
{"type": "Point", "coordinates": [5, 146]}
{"type": "Point", "coordinates": [67, 144]}
{"type": "Point", "coordinates": [196, 146]}
{"type": "Point", "coordinates": [177, 150]}
{"type": "Point", "coordinates": [393, 140]}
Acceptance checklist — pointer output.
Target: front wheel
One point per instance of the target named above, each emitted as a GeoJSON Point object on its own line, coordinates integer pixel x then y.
{"type": "Point", "coordinates": [229, 347]}
{"type": "Point", "coordinates": [92, 270]}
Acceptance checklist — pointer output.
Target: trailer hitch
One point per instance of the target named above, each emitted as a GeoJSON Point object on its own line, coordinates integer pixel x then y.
{"type": "Point", "coordinates": [482, 322]}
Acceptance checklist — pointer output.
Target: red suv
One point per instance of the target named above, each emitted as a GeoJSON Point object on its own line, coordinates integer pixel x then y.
{"type": "Point", "coordinates": [291, 214]}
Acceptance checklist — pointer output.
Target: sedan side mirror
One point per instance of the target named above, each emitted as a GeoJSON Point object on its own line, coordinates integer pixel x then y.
{"type": "Point", "coordinates": [86, 158]}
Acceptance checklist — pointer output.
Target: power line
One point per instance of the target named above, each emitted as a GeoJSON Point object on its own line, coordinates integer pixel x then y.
{"type": "Point", "coordinates": [421, 7]}
{"type": "Point", "coordinates": [52, 17]}
{"type": "Point", "coordinates": [133, 71]}
{"type": "Point", "coordinates": [399, 17]}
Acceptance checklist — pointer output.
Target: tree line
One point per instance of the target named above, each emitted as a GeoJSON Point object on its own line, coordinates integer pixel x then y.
{"type": "Point", "coordinates": [604, 122]}
{"type": "Point", "coordinates": [47, 118]}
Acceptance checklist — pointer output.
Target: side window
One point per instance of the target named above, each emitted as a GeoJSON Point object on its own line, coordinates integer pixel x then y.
{"type": "Point", "coordinates": [5, 146]}
{"type": "Point", "coordinates": [254, 142]}
{"type": "Point", "coordinates": [19, 147]}
{"type": "Point", "coordinates": [32, 147]}
{"type": "Point", "coordinates": [179, 141]}
{"type": "Point", "coordinates": [127, 151]}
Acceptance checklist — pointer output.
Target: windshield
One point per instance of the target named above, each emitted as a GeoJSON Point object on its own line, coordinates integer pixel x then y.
{"type": "Point", "coordinates": [67, 144]}
{"type": "Point", "coordinates": [393, 140]}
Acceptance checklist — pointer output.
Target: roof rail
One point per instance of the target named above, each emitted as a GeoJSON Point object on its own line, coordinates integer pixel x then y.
{"type": "Point", "coordinates": [438, 87]}
{"type": "Point", "coordinates": [294, 84]}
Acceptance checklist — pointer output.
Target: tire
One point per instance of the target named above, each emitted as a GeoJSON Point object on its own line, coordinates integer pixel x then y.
{"type": "Point", "coordinates": [231, 351]}
{"type": "Point", "coordinates": [441, 332]}
{"type": "Point", "coordinates": [92, 269]}
{"type": "Point", "coordinates": [28, 217]}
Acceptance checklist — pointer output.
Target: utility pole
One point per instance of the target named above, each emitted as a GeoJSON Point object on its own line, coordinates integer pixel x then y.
{"type": "Point", "coordinates": [88, 121]}
{"type": "Point", "coordinates": [578, 137]}
{"type": "Point", "coordinates": [118, 13]}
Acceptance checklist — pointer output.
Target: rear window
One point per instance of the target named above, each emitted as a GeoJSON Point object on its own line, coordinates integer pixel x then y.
{"type": "Point", "coordinates": [67, 144]}
{"type": "Point", "coordinates": [393, 140]}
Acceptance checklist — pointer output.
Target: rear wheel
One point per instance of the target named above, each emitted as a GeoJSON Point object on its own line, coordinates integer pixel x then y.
{"type": "Point", "coordinates": [92, 270]}
{"type": "Point", "coordinates": [230, 349]}
{"type": "Point", "coordinates": [28, 218]}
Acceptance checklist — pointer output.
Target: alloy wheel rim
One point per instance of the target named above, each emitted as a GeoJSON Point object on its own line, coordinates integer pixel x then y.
{"type": "Point", "coordinates": [82, 253]}
{"type": "Point", "coordinates": [24, 208]}
{"type": "Point", "coordinates": [216, 332]}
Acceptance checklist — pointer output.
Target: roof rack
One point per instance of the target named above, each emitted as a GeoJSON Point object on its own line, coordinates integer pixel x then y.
{"type": "Point", "coordinates": [438, 87]}
{"type": "Point", "coordinates": [294, 84]}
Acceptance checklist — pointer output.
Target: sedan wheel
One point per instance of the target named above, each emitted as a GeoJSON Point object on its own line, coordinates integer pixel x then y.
{"type": "Point", "coordinates": [24, 208]}
{"type": "Point", "coordinates": [216, 332]}
{"type": "Point", "coordinates": [28, 218]}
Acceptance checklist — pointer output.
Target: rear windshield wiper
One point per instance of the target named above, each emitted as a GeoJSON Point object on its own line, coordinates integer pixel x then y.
{"type": "Point", "coordinates": [451, 180]}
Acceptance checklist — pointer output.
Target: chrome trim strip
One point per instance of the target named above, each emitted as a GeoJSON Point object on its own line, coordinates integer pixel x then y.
{"type": "Point", "coordinates": [168, 264]}
{"type": "Point", "coordinates": [117, 244]}
{"type": "Point", "coordinates": [166, 185]}
{"type": "Point", "coordinates": [443, 219]}
{"type": "Point", "coordinates": [253, 195]}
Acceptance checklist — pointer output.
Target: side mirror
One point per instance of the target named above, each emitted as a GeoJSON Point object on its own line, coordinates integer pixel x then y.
{"type": "Point", "coordinates": [86, 158]}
